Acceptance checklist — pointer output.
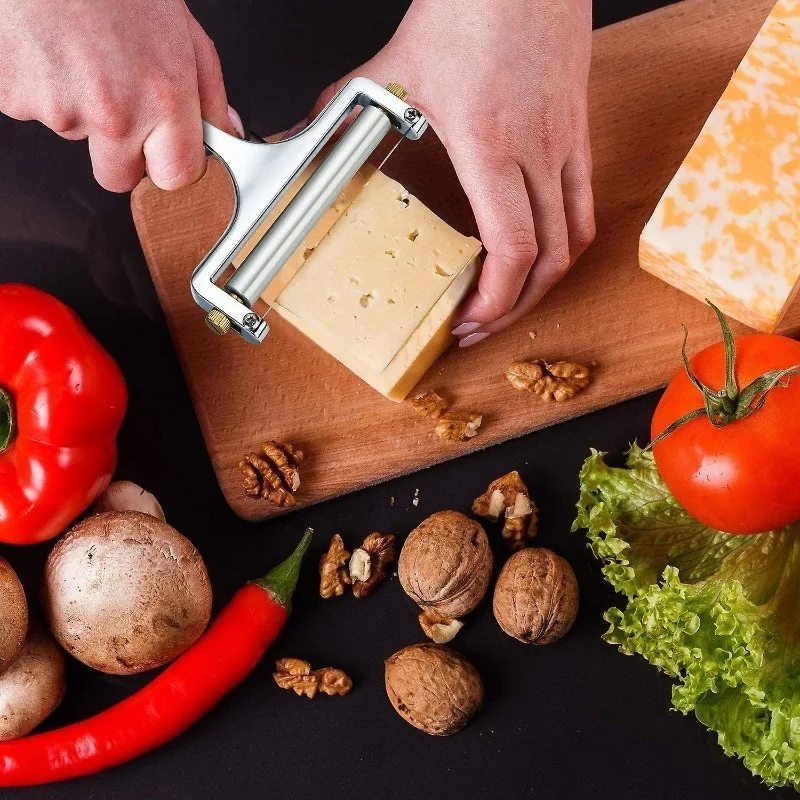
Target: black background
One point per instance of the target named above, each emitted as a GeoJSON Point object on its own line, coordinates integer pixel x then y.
{"type": "Point", "coordinates": [569, 720]}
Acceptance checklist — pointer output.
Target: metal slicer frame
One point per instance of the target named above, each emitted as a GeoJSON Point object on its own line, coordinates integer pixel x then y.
{"type": "Point", "coordinates": [262, 172]}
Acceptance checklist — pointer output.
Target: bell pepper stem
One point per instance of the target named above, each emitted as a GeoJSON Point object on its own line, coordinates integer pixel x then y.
{"type": "Point", "coordinates": [7, 423]}
{"type": "Point", "coordinates": [280, 581]}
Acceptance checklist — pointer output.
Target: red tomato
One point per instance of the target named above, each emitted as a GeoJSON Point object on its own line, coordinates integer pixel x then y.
{"type": "Point", "coordinates": [743, 477]}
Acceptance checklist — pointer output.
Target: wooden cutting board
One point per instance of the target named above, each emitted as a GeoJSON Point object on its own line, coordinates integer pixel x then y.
{"type": "Point", "coordinates": [654, 80]}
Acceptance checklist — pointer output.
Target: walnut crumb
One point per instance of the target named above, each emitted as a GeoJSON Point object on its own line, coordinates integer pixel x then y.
{"type": "Point", "coordinates": [370, 566]}
{"type": "Point", "coordinates": [333, 574]}
{"type": "Point", "coordinates": [273, 474]}
{"type": "Point", "coordinates": [559, 381]}
{"type": "Point", "coordinates": [458, 426]}
{"type": "Point", "coordinates": [430, 404]}
{"type": "Point", "coordinates": [508, 497]}
{"type": "Point", "coordinates": [296, 674]}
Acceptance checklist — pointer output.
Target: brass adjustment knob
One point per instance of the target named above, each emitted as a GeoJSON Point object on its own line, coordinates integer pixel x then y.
{"type": "Point", "coordinates": [397, 90]}
{"type": "Point", "coordinates": [218, 322]}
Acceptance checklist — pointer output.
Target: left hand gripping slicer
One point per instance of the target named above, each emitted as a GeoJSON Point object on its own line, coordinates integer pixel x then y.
{"type": "Point", "coordinates": [261, 174]}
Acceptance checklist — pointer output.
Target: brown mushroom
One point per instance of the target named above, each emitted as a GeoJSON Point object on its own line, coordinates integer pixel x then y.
{"type": "Point", "coordinates": [445, 567]}
{"type": "Point", "coordinates": [433, 688]}
{"type": "Point", "coordinates": [13, 615]}
{"type": "Point", "coordinates": [536, 596]}
{"type": "Point", "coordinates": [124, 592]}
{"type": "Point", "coordinates": [33, 686]}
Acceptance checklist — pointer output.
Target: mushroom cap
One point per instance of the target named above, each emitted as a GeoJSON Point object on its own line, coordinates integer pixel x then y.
{"type": "Point", "coordinates": [446, 564]}
{"type": "Point", "coordinates": [124, 592]}
{"type": "Point", "coordinates": [33, 686]}
{"type": "Point", "coordinates": [536, 596]}
{"type": "Point", "coordinates": [13, 615]}
{"type": "Point", "coordinates": [433, 688]}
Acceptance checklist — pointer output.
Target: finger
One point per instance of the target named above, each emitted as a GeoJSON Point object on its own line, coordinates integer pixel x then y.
{"type": "Point", "coordinates": [174, 150]}
{"type": "Point", "coordinates": [118, 164]}
{"type": "Point", "coordinates": [499, 199]}
{"type": "Point", "coordinates": [210, 84]}
{"type": "Point", "coordinates": [553, 259]}
{"type": "Point", "coordinates": [576, 183]}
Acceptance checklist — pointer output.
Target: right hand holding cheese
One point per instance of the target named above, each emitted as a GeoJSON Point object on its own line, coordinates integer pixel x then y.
{"type": "Point", "coordinates": [133, 78]}
{"type": "Point", "coordinates": [504, 86]}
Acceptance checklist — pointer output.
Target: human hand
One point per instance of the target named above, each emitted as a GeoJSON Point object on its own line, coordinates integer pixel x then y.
{"type": "Point", "coordinates": [503, 83]}
{"type": "Point", "coordinates": [132, 77]}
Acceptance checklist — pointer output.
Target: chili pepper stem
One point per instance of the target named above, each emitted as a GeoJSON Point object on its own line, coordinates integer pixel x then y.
{"type": "Point", "coordinates": [7, 424]}
{"type": "Point", "coordinates": [280, 582]}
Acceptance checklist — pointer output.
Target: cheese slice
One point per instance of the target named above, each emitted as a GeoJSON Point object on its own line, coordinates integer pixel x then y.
{"type": "Point", "coordinates": [379, 290]}
{"type": "Point", "coordinates": [728, 225]}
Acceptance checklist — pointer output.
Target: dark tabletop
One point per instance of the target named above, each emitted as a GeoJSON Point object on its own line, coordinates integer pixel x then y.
{"type": "Point", "coordinates": [570, 720]}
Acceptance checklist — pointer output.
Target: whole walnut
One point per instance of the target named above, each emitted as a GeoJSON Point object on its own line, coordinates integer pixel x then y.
{"type": "Point", "coordinates": [536, 596]}
{"type": "Point", "coordinates": [433, 688]}
{"type": "Point", "coordinates": [445, 567]}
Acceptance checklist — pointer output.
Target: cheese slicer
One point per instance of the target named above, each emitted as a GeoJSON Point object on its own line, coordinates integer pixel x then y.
{"type": "Point", "coordinates": [262, 172]}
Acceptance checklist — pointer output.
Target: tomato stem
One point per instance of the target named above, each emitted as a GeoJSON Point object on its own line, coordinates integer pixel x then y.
{"type": "Point", "coordinates": [730, 404]}
{"type": "Point", "coordinates": [7, 423]}
{"type": "Point", "coordinates": [280, 581]}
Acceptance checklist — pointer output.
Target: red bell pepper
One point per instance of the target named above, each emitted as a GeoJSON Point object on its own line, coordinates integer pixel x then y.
{"type": "Point", "coordinates": [62, 400]}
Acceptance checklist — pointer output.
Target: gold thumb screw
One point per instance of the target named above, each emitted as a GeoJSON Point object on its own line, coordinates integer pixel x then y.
{"type": "Point", "coordinates": [218, 322]}
{"type": "Point", "coordinates": [397, 90]}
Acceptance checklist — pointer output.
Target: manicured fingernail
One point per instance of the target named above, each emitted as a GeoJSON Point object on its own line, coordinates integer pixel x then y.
{"type": "Point", "coordinates": [473, 338]}
{"type": "Point", "coordinates": [236, 121]}
{"type": "Point", "coordinates": [466, 327]}
{"type": "Point", "coordinates": [302, 125]}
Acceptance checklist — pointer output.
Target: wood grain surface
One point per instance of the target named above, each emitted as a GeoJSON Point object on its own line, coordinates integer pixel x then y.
{"type": "Point", "coordinates": [654, 80]}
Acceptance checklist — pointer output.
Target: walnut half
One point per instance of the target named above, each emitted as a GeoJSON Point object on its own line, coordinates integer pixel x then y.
{"type": "Point", "coordinates": [272, 474]}
{"type": "Point", "coordinates": [430, 404]}
{"type": "Point", "coordinates": [508, 497]}
{"type": "Point", "coordinates": [333, 575]}
{"type": "Point", "coordinates": [296, 674]}
{"type": "Point", "coordinates": [559, 381]}
{"type": "Point", "coordinates": [458, 426]}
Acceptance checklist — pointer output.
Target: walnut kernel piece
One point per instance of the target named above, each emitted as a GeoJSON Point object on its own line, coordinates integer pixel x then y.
{"type": "Point", "coordinates": [296, 674]}
{"type": "Point", "coordinates": [508, 496]}
{"type": "Point", "coordinates": [559, 381]}
{"type": "Point", "coordinates": [437, 629]}
{"type": "Point", "coordinates": [430, 404]}
{"type": "Point", "coordinates": [380, 548]}
{"type": "Point", "coordinates": [360, 566]}
{"type": "Point", "coordinates": [333, 575]}
{"type": "Point", "coordinates": [458, 426]}
{"type": "Point", "coordinates": [272, 474]}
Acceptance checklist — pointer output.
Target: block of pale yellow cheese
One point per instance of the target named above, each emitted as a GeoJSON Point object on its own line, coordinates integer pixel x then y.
{"type": "Point", "coordinates": [380, 289]}
{"type": "Point", "coordinates": [728, 225]}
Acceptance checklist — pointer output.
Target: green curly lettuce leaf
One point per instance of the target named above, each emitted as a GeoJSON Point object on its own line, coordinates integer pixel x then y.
{"type": "Point", "coordinates": [719, 613]}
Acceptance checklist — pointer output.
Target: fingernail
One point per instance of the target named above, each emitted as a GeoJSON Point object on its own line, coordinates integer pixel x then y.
{"type": "Point", "coordinates": [236, 121]}
{"type": "Point", "coordinates": [466, 327]}
{"type": "Point", "coordinates": [296, 128]}
{"type": "Point", "coordinates": [473, 338]}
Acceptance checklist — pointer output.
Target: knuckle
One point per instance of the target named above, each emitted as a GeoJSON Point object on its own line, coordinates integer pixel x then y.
{"type": "Point", "coordinates": [520, 248]}
{"type": "Point", "coordinates": [112, 120]}
{"type": "Point", "coordinates": [560, 259]}
{"type": "Point", "coordinates": [585, 232]}
{"type": "Point", "coordinates": [178, 173]}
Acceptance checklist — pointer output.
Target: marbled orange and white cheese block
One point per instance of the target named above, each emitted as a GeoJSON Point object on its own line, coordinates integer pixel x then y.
{"type": "Point", "coordinates": [728, 225]}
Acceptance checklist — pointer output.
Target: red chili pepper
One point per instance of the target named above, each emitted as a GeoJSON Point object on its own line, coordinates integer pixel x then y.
{"type": "Point", "coordinates": [193, 684]}
{"type": "Point", "coordinates": [62, 400]}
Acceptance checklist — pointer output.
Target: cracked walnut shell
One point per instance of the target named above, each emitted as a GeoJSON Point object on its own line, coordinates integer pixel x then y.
{"type": "Point", "coordinates": [559, 381]}
{"type": "Point", "coordinates": [445, 567]}
{"type": "Point", "coordinates": [536, 596]}
{"type": "Point", "coordinates": [433, 688]}
{"type": "Point", "coordinates": [296, 674]}
{"type": "Point", "coordinates": [272, 474]}
{"type": "Point", "coordinates": [508, 496]}
{"type": "Point", "coordinates": [370, 563]}
{"type": "Point", "coordinates": [333, 574]}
